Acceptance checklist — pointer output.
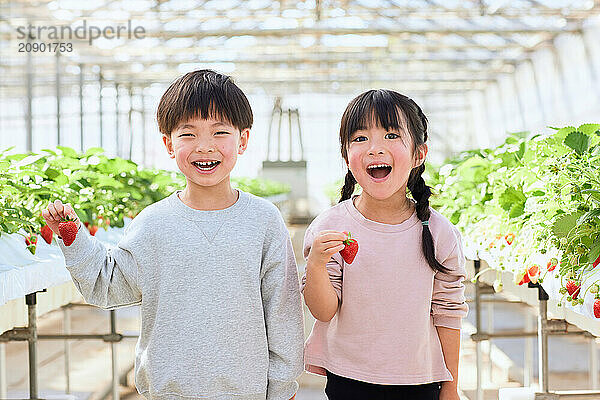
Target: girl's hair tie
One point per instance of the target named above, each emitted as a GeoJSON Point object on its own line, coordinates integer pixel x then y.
{"type": "Point", "coordinates": [425, 223]}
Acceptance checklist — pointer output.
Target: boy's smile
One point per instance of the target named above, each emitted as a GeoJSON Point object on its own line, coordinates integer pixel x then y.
{"type": "Point", "coordinates": [206, 166]}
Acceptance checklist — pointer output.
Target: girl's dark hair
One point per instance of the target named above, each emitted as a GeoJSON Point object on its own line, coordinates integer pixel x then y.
{"type": "Point", "coordinates": [205, 94]}
{"type": "Point", "coordinates": [392, 111]}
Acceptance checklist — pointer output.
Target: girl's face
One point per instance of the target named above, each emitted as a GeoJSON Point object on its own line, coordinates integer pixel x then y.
{"type": "Point", "coordinates": [381, 160]}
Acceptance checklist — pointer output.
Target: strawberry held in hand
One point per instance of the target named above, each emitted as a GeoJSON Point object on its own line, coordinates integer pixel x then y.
{"type": "Point", "coordinates": [68, 230]}
{"type": "Point", "coordinates": [350, 249]}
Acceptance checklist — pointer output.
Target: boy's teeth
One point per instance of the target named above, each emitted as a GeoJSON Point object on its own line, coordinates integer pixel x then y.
{"type": "Point", "coordinates": [206, 164]}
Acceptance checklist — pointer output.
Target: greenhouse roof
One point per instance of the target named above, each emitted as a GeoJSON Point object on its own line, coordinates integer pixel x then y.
{"type": "Point", "coordinates": [286, 46]}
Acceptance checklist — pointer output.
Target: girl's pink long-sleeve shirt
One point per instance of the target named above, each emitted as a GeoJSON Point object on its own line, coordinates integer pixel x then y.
{"type": "Point", "coordinates": [390, 300]}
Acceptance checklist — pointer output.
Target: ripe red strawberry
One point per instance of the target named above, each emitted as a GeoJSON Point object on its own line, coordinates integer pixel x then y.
{"type": "Point", "coordinates": [573, 289]}
{"type": "Point", "coordinates": [597, 308]}
{"type": "Point", "coordinates": [510, 237]}
{"type": "Point", "coordinates": [93, 229]}
{"type": "Point", "coordinates": [525, 279]}
{"type": "Point", "coordinates": [68, 230]}
{"type": "Point", "coordinates": [351, 248]}
{"type": "Point", "coordinates": [595, 263]}
{"type": "Point", "coordinates": [533, 273]}
{"type": "Point", "coordinates": [553, 263]}
{"type": "Point", "coordinates": [47, 233]}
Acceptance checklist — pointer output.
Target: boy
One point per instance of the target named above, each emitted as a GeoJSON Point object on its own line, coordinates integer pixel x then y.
{"type": "Point", "coordinates": [212, 267]}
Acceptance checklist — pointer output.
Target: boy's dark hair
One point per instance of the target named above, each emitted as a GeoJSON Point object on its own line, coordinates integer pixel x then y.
{"type": "Point", "coordinates": [206, 94]}
{"type": "Point", "coordinates": [392, 110]}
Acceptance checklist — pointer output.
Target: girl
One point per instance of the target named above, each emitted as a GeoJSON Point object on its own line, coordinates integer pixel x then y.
{"type": "Point", "coordinates": [388, 325]}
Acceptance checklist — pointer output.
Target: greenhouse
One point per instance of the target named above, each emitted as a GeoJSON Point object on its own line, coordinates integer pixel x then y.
{"type": "Point", "coordinates": [204, 149]}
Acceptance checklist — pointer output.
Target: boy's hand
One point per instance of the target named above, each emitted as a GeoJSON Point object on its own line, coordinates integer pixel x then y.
{"type": "Point", "coordinates": [56, 212]}
{"type": "Point", "coordinates": [325, 245]}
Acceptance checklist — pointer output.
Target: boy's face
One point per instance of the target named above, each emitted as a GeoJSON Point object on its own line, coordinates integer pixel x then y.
{"type": "Point", "coordinates": [206, 150]}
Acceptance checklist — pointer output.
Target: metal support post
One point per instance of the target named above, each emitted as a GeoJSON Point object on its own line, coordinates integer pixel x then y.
{"type": "Point", "coordinates": [542, 336]}
{"type": "Point", "coordinates": [490, 329]}
{"type": "Point", "coordinates": [3, 383]}
{"type": "Point", "coordinates": [590, 62]}
{"type": "Point", "coordinates": [528, 362]}
{"type": "Point", "coordinates": [479, 367]}
{"type": "Point", "coordinates": [118, 146]}
{"type": "Point", "coordinates": [58, 142]}
{"type": "Point", "coordinates": [275, 107]}
{"type": "Point", "coordinates": [561, 75]}
{"type": "Point", "coordinates": [67, 331]}
{"type": "Point", "coordinates": [538, 91]}
{"type": "Point", "coordinates": [100, 108]}
{"type": "Point", "coordinates": [81, 107]}
{"type": "Point", "coordinates": [289, 112]}
{"type": "Point", "coordinates": [519, 101]}
{"type": "Point", "coordinates": [31, 302]}
{"type": "Point", "coordinates": [28, 109]}
{"type": "Point", "coordinates": [279, 135]}
{"type": "Point", "coordinates": [130, 119]}
{"type": "Point", "coordinates": [144, 156]}
{"type": "Point", "coordinates": [299, 134]}
{"type": "Point", "coordinates": [593, 364]}
{"type": "Point", "coordinates": [113, 350]}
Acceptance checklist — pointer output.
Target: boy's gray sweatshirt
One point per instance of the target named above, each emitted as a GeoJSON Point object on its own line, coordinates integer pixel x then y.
{"type": "Point", "coordinates": [220, 303]}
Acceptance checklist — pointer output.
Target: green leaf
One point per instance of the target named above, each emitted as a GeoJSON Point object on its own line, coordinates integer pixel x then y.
{"type": "Point", "coordinates": [588, 216]}
{"type": "Point", "coordinates": [564, 132]}
{"type": "Point", "coordinates": [52, 173]}
{"type": "Point", "coordinates": [455, 217]}
{"type": "Point", "coordinates": [68, 152]}
{"type": "Point", "coordinates": [594, 193]}
{"type": "Point", "coordinates": [93, 151]}
{"type": "Point", "coordinates": [578, 142]}
{"type": "Point", "coordinates": [564, 224]}
{"type": "Point", "coordinates": [511, 197]}
{"type": "Point", "coordinates": [522, 148]}
{"type": "Point", "coordinates": [589, 129]}
{"type": "Point", "coordinates": [61, 180]}
{"type": "Point", "coordinates": [516, 210]}
{"type": "Point", "coordinates": [50, 152]}
{"type": "Point", "coordinates": [16, 157]}
{"type": "Point", "coordinates": [537, 193]}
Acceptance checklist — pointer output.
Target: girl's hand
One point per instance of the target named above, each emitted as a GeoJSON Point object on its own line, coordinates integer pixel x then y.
{"type": "Point", "coordinates": [449, 392]}
{"type": "Point", "coordinates": [325, 245]}
{"type": "Point", "coordinates": [56, 212]}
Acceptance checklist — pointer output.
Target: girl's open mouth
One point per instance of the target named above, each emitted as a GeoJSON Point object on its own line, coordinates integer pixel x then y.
{"type": "Point", "coordinates": [206, 166]}
{"type": "Point", "coordinates": [379, 171]}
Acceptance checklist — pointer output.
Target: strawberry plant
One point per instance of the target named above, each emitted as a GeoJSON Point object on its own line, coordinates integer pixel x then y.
{"type": "Point", "coordinates": [528, 203]}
